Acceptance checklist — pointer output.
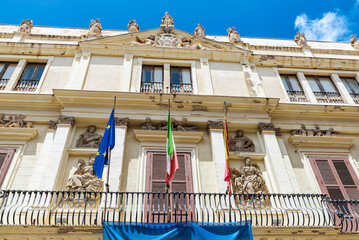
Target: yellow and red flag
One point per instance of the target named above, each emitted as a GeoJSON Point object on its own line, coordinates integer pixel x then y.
{"type": "Point", "coordinates": [227, 172]}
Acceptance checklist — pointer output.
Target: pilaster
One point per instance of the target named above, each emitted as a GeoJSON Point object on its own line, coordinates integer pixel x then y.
{"type": "Point", "coordinates": [166, 78]}
{"type": "Point", "coordinates": [306, 87]}
{"type": "Point", "coordinates": [16, 75]}
{"type": "Point", "coordinates": [126, 74]}
{"type": "Point", "coordinates": [78, 71]}
{"type": "Point", "coordinates": [342, 89]}
{"type": "Point", "coordinates": [207, 85]}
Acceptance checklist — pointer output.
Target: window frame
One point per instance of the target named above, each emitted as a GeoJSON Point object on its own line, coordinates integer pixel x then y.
{"type": "Point", "coordinates": [33, 75]}
{"type": "Point", "coordinates": [4, 168]}
{"type": "Point", "coordinates": [2, 72]}
{"type": "Point", "coordinates": [152, 82]}
{"type": "Point", "coordinates": [181, 84]}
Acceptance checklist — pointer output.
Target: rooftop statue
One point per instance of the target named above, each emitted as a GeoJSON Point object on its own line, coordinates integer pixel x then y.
{"type": "Point", "coordinates": [199, 31]}
{"type": "Point", "coordinates": [95, 28]}
{"type": "Point", "coordinates": [354, 41]}
{"type": "Point", "coordinates": [167, 23]}
{"type": "Point", "coordinates": [300, 39]}
{"type": "Point", "coordinates": [133, 26]}
{"type": "Point", "coordinates": [25, 26]}
{"type": "Point", "coordinates": [241, 143]}
{"type": "Point", "coordinates": [233, 35]}
{"type": "Point", "coordinates": [90, 138]}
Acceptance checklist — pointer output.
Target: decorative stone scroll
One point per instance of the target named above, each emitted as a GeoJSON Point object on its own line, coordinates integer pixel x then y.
{"type": "Point", "coordinates": [66, 120]}
{"type": "Point", "coordinates": [181, 126]}
{"type": "Point", "coordinates": [215, 125]}
{"type": "Point", "coordinates": [233, 35]}
{"type": "Point", "coordinates": [300, 39]}
{"type": "Point", "coordinates": [25, 26]}
{"type": "Point", "coordinates": [52, 125]}
{"type": "Point", "coordinates": [121, 121]}
{"type": "Point", "coordinates": [314, 132]}
{"type": "Point", "coordinates": [14, 121]}
{"type": "Point", "coordinates": [133, 26]}
{"type": "Point", "coordinates": [89, 139]}
{"type": "Point", "coordinates": [269, 127]}
{"type": "Point", "coordinates": [95, 28]}
{"type": "Point", "coordinates": [241, 143]}
{"type": "Point", "coordinates": [83, 178]}
{"type": "Point", "coordinates": [199, 31]}
{"type": "Point", "coordinates": [354, 41]}
{"type": "Point", "coordinates": [248, 179]}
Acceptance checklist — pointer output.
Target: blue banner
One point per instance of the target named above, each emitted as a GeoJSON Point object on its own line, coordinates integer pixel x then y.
{"type": "Point", "coordinates": [182, 230]}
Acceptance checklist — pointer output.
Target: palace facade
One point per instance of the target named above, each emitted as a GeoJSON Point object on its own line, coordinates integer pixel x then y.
{"type": "Point", "coordinates": [293, 119]}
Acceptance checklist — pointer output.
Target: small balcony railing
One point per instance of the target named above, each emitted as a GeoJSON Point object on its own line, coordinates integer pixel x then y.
{"type": "Point", "coordinates": [181, 88]}
{"type": "Point", "coordinates": [345, 214]}
{"type": "Point", "coordinates": [355, 97]}
{"type": "Point", "coordinates": [151, 87]}
{"type": "Point", "coordinates": [297, 96]}
{"type": "Point", "coordinates": [328, 97]}
{"type": "Point", "coordinates": [27, 85]}
{"type": "Point", "coordinates": [3, 82]}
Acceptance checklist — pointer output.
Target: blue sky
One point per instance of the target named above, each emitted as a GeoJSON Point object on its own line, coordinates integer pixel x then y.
{"type": "Point", "coordinates": [329, 20]}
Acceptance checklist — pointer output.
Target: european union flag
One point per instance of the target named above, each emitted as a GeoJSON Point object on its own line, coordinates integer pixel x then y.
{"type": "Point", "coordinates": [107, 144]}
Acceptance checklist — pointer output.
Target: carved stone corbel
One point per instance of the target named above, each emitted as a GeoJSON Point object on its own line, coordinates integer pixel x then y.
{"type": "Point", "coordinates": [269, 127]}
{"type": "Point", "coordinates": [121, 121]}
{"type": "Point", "coordinates": [66, 120]}
{"type": "Point", "coordinates": [215, 125]}
{"type": "Point", "coordinates": [52, 125]}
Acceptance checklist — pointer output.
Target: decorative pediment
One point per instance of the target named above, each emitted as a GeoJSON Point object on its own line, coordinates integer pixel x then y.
{"type": "Point", "coordinates": [159, 38]}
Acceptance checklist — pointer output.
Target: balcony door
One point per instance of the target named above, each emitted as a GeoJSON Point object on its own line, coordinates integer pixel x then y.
{"type": "Point", "coordinates": [157, 202]}
{"type": "Point", "coordinates": [5, 161]}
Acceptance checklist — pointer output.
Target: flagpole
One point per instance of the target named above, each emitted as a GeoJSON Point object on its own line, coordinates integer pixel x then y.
{"type": "Point", "coordinates": [228, 191]}
{"type": "Point", "coordinates": [168, 124]}
{"type": "Point", "coordinates": [109, 164]}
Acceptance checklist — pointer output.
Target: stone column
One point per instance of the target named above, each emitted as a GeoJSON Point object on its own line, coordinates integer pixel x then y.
{"type": "Point", "coordinates": [218, 152]}
{"type": "Point", "coordinates": [125, 80]}
{"type": "Point", "coordinates": [283, 174]}
{"type": "Point", "coordinates": [342, 89]}
{"type": "Point", "coordinates": [117, 154]}
{"type": "Point", "coordinates": [44, 156]}
{"type": "Point", "coordinates": [78, 71]}
{"type": "Point", "coordinates": [207, 85]}
{"type": "Point", "coordinates": [55, 160]}
{"type": "Point", "coordinates": [16, 75]}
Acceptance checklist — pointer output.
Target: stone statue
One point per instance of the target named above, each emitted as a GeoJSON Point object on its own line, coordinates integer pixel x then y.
{"type": "Point", "coordinates": [302, 131]}
{"type": "Point", "coordinates": [148, 125]}
{"type": "Point", "coordinates": [248, 179]}
{"type": "Point", "coordinates": [89, 139]}
{"type": "Point", "coordinates": [330, 132]}
{"type": "Point", "coordinates": [187, 43]}
{"type": "Point", "coordinates": [25, 26]}
{"type": "Point", "coordinates": [84, 179]}
{"type": "Point", "coordinates": [182, 126]}
{"type": "Point", "coordinates": [16, 121]}
{"type": "Point", "coordinates": [314, 132]}
{"type": "Point", "coordinates": [162, 126]}
{"type": "Point", "coordinates": [150, 41]}
{"type": "Point", "coordinates": [133, 26]}
{"type": "Point", "coordinates": [121, 121]}
{"type": "Point", "coordinates": [300, 39]}
{"type": "Point", "coordinates": [167, 23]}
{"type": "Point", "coordinates": [354, 41]}
{"type": "Point", "coordinates": [2, 121]}
{"type": "Point", "coordinates": [233, 35]}
{"type": "Point", "coordinates": [95, 28]}
{"type": "Point", "coordinates": [317, 131]}
{"type": "Point", "coordinates": [66, 120]}
{"type": "Point", "coordinates": [241, 143]}
{"type": "Point", "coordinates": [215, 125]}
{"type": "Point", "coordinates": [52, 125]}
{"type": "Point", "coordinates": [199, 31]}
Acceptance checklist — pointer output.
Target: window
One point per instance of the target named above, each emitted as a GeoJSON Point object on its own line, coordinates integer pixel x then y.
{"type": "Point", "coordinates": [324, 89]}
{"type": "Point", "coordinates": [351, 84]}
{"type": "Point", "coordinates": [6, 70]}
{"type": "Point", "coordinates": [5, 160]}
{"type": "Point", "coordinates": [152, 79]}
{"type": "Point", "coordinates": [181, 81]}
{"type": "Point", "coordinates": [293, 88]}
{"type": "Point", "coordinates": [336, 177]}
{"type": "Point", "coordinates": [156, 182]}
{"type": "Point", "coordinates": [30, 78]}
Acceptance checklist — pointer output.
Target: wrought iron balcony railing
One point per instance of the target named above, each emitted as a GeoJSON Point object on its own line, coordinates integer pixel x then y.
{"type": "Point", "coordinates": [355, 97]}
{"type": "Point", "coordinates": [47, 208]}
{"type": "Point", "coordinates": [29, 85]}
{"type": "Point", "coordinates": [3, 82]}
{"type": "Point", "coordinates": [181, 88]}
{"type": "Point", "coordinates": [328, 97]}
{"type": "Point", "coordinates": [151, 87]}
{"type": "Point", "coordinates": [297, 96]}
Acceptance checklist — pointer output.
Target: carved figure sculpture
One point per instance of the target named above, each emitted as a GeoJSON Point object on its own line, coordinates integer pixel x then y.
{"type": "Point", "coordinates": [248, 179]}
{"type": "Point", "coordinates": [354, 41]}
{"type": "Point", "coordinates": [300, 39]}
{"type": "Point", "coordinates": [199, 31]}
{"type": "Point", "coordinates": [330, 132]}
{"type": "Point", "coordinates": [241, 143]}
{"type": "Point", "coordinates": [215, 125]}
{"type": "Point", "coordinates": [52, 125]}
{"type": "Point", "coordinates": [25, 26]}
{"type": "Point", "coordinates": [162, 126]}
{"type": "Point", "coordinates": [2, 121]}
{"type": "Point", "coordinates": [121, 121]}
{"type": "Point", "coordinates": [167, 23]}
{"type": "Point", "coordinates": [148, 125]}
{"type": "Point", "coordinates": [187, 43]}
{"type": "Point", "coordinates": [84, 179]}
{"type": "Point", "coordinates": [133, 26]}
{"type": "Point", "coordinates": [90, 138]}
{"type": "Point", "coordinates": [233, 35]}
{"type": "Point", "coordinates": [95, 28]}
{"type": "Point", "coordinates": [150, 41]}
{"type": "Point", "coordinates": [182, 126]}
{"type": "Point", "coordinates": [16, 121]}
{"type": "Point", "coordinates": [66, 120]}
{"type": "Point", "coordinates": [317, 131]}
{"type": "Point", "coordinates": [303, 131]}
{"type": "Point", "coordinates": [313, 132]}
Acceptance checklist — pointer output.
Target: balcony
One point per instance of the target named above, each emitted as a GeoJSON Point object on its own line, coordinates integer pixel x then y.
{"type": "Point", "coordinates": [297, 96]}
{"type": "Point", "coordinates": [3, 83]}
{"type": "Point", "coordinates": [355, 97]}
{"type": "Point", "coordinates": [328, 97]}
{"type": "Point", "coordinates": [181, 88]}
{"type": "Point", "coordinates": [27, 85]}
{"type": "Point", "coordinates": [65, 208]}
{"type": "Point", "coordinates": [151, 87]}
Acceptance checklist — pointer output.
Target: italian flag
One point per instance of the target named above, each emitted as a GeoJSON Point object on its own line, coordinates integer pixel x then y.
{"type": "Point", "coordinates": [172, 162]}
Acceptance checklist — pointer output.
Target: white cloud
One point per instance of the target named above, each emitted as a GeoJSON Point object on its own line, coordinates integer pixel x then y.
{"type": "Point", "coordinates": [331, 27]}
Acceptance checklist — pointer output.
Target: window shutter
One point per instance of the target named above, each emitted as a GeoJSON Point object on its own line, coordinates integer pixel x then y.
{"type": "Point", "coordinates": [5, 160]}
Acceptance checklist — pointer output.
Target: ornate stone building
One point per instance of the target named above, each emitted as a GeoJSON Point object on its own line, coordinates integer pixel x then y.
{"type": "Point", "coordinates": [292, 115]}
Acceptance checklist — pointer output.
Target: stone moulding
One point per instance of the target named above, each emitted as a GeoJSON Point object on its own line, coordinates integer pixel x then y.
{"type": "Point", "coordinates": [240, 156]}
{"type": "Point", "coordinates": [17, 134]}
{"type": "Point", "coordinates": [160, 136]}
{"type": "Point", "coordinates": [84, 152]}
{"type": "Point", "coordinates": [321, 142]}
